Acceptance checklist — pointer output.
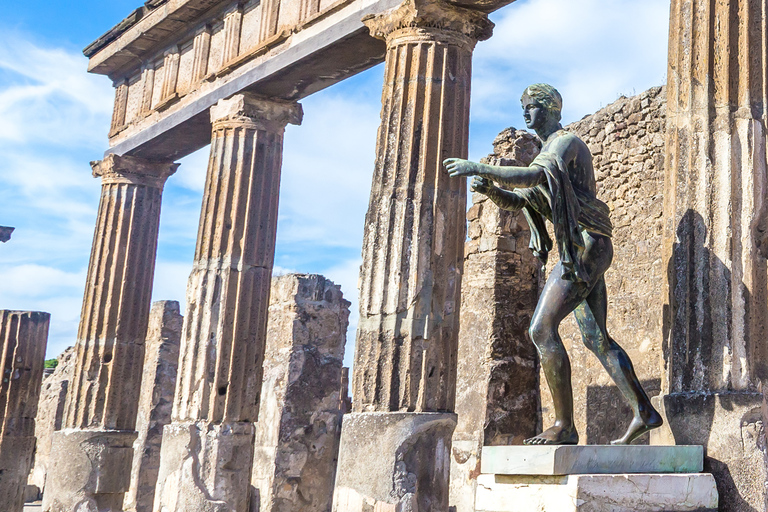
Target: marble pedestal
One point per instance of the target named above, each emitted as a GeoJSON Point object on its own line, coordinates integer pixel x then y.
{"type": "Point", "coordinates": [594, 479]}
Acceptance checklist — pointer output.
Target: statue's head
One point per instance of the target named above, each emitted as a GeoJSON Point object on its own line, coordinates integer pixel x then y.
{"type": "Point", "coordinates": [542, 104]}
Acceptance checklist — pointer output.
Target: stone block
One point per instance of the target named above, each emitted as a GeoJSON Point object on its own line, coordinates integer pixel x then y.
{"type": "Point", "coordinates": [730, 427]}
{"type": "Point", "coordinates": [394, 462]}
{"type": "Point", "coordinates": [597, 493]}
{"type": "Point", "coordinates": [205, 467]}
{"type": "Point", "coordinates": [161, 360]}
{"type": "Point", "coordinates": [87, 470]}
{"type": "Point", "coordinates": [574, 460]}
{"type": "Point", "coordinates": [50, 414]}
{"type": "Point", "coordinates": [302, 400]}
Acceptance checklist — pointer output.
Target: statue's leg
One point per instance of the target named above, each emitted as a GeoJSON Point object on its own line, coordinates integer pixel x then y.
{"type": "Point", "coordinates": [557, 300]}
{"type": "Point", "coordinates": [591, 317]}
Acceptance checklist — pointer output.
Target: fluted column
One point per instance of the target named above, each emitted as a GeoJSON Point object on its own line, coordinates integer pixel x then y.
{"type": "Point", "coordinates": [413, 247]}
{"type": "Point", "coordinates": [23, 338]}
{"type": "Point", "coordinates": [716, 192]}
{"type": "Point", "coordinates": [207, 450]}
{"type": "Point", "coordinates": [102, 402]}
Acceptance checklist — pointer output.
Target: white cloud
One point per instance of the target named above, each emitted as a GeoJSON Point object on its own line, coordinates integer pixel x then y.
{"type": "Point", "coordinates": [591, 50]}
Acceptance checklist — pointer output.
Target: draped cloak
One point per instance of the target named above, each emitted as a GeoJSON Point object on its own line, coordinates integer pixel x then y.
{"type": "Point", "coordinates": [567, 199]}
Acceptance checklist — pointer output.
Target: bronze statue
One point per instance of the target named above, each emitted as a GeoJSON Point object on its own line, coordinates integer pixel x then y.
{"type": "Point", "coordinates": [559, 186]}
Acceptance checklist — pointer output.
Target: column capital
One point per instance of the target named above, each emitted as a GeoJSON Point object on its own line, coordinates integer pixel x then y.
{"type": "Point", "coordinates": [419, 18]}
{"type": "Point", "coordinates": [260, 112]}
{"type": "Point", "coordinates": [133, 170]}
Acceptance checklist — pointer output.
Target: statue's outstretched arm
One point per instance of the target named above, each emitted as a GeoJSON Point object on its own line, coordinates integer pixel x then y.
{"type": "Point", "coordinates": [504, 199]}
{"type": "Point", "coordinates": [516, 177]}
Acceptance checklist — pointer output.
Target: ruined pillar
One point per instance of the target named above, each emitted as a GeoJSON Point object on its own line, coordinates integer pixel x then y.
{"type": "Point", "coordinates": [207, 450]}
{"type": "Point", "coordinates": [23, 338]}
{"type": "Point", "coordinates": [297, 435]}
{"type": "Point", "coordinates": [50, 416]}
{"type": "Point", "coordinates": [715, 194]}
{"type": "Point", "coordinates": [160, 363]}
{"type": "Point", "coordinates": [395, 445]}
{"type": "Point", "coordinates": [91, 456]}
{"type": "Point", "coordinates": [497, 383]}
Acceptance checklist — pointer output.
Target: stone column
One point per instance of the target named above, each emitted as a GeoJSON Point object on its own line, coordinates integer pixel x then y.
{"type": "Point", "coordinates": [715, 194]}
{"type": "Point", "coordinates": [207, 450]}
{"type": "Point", "coordinates": [23, 338]}
{"type": "Point", "coordinates": [160, 363]}
{"type": "Point", "coordinates": [395, 445]}
{"type": "Point", "coordinates": [91, 455]}
{"type": "Point", "coordinates": [497, 383]}
{"type": "Point", "coordinates": [297, 435]}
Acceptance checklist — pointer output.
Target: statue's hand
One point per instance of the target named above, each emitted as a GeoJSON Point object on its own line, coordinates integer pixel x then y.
{"type": "Point", "coordinates": [481, 185]}
{"type": "Point", "coordinates": [458, 167]}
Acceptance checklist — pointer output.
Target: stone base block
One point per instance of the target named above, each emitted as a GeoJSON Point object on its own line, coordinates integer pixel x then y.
{"type": "Point", "coordinates": [392, 462]}
{"type": "Point", "coordinates": [730, 427]}
{"type": "Point", "coordinates": [89, 470]}
{"type": "Point", "coordinates": [205, 467]}
{"type": "Point", "coordinates": [597, 493]}
{"type": "Point", "coordinates": [15, 463]}
{"type": "Point", "coordinates": [596, 459]}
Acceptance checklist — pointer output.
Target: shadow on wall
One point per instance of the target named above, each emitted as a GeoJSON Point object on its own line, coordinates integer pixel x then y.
{"type": "Point", "coordinates": [698, 281]}
{"type": "Point", "coordinates": [608, 414]}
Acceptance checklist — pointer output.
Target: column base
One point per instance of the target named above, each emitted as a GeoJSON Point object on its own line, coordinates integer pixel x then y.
{"type": "Point", "coordinates": [729, 426]}
{"type": "Point", "coordinates": [205, 467]}
{"type": "Point", "coordinates": [15, 464]}
{"type": "Point", "coordinates": [394, 461]}
{"type": "Point", "coordinates": [89, 470]}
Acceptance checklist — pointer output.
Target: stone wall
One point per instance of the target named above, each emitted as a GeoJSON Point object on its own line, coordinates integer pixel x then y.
{"type": "Point", "coordinates": [627, 141]}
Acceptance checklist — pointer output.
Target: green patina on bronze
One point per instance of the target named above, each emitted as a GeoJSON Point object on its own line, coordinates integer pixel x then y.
{"type": "Point", "coordinates": [559, 186]}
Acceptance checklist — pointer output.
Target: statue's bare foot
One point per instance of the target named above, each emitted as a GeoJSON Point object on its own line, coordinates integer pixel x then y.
{"type": "Point", "coordinates": [640, 426]}
{"type": "Point", "coordinates": [555, 435]}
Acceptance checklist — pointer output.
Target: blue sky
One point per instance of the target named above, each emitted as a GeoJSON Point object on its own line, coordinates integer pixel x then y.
{"type": "Point", "coordinates": [54, 118]}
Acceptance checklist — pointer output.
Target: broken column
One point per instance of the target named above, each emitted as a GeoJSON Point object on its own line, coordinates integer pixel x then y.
{"type": "Point", "coordinates": [156, 400]}
{"type": "Point", "coordinates": [497, 383]}
{"type": "Point", "coordinates": [23, 338]}
{"type": "Point", "coordinates": [297, 435]}
{"type": "Point", "coordinates": [715, 194]}
{"type": "Point", "coordinates": [207, 450]}
{"type": "Point", "coordinates": [395, 445]}
{"type": "Point", "coordinates": [50, 416]}
{"type": "Point", "coordinates": [91, 456]}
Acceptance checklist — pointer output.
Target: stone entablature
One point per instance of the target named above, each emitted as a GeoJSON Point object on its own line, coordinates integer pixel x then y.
{"type": "Point", "coordinates": [171, 61]}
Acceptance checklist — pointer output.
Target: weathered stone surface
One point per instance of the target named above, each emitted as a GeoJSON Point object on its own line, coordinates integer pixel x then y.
{"type": "Point", "coordinates": [297, 435]}
{"type": "Point", "coordinates": [598, 493]}
{"type": "Point", "coordinates": [497, 384]}
{"type": "Point", "coordinates": [5, 233]}
{"type": "Point", "coordinates": [205, 467]}
{"type": "Point", "coordinates": [222, 348]}
{"type": "Point", "coordinates": [103, 395]}
{"type": "Point", "coordinates": [410, 282]}
{"type": "Point", "coordinates": [156, 399]}
{"type": "Point", "coordinates": [627, 142]}
{"type": "Point", "coordinates": [715, 201]}
{"type": "Point", "coordinates": [89, 470]}
{"type": "Point", "coordinates": [23, 338]}
{"type": "Point", "coordinates": [413, 245]}
{"type": "Point", "coordinates": [394, 462]}
{"type": "Point", "coordinates": [731, 427]}
{"type": "Point", "coordinates": [600, 459]}
{"type": "Point", "coordinates": [50, 414]}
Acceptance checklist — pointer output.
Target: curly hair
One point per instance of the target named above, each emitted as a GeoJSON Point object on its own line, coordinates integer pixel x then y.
{"type": "Point", "coordinates": [547, 95]}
